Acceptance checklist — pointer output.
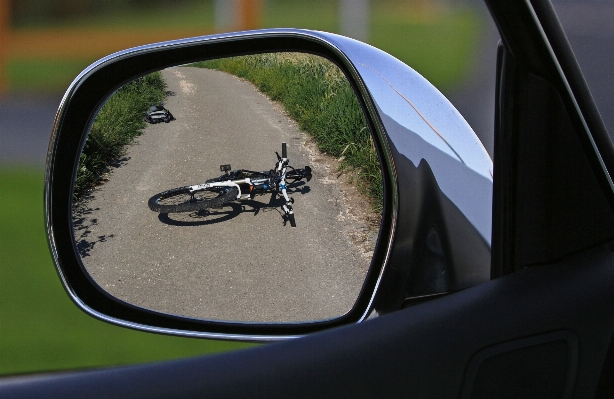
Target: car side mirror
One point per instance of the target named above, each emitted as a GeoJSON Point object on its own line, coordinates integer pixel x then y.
{"type": "Point", "coordinates": [191, 253]}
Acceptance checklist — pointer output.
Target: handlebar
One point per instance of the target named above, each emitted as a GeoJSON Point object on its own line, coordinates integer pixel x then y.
{"type": "Point", "coordinates": [282, 164]}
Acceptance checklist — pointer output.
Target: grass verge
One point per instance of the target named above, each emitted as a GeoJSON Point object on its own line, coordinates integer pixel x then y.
{"type": "Point", "coordinates": [40, 328]}
{"type": "Point", "coordinates": [118, 123]}
{"type": "Point", "coordinates": [43, 75]}
{"type": "Point", "coordinates": [316, 94]}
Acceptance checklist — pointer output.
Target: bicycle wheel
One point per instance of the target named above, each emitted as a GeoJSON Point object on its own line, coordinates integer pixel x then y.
{"type": "Point", "coordinates": [181, 200]}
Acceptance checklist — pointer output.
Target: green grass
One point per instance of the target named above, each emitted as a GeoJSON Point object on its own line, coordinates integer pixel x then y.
{"type": "Point", "coordinates": [40, 328]}
{"type": "Point", "coordinates": [43, 75]}
{"type": "Point", "coordinates": [316, 94]}
{"type": "Point", "coordinates": [304, 14]}
{"type": "Point", "coordinates": [440, 43]}
{"type": "Point", "coordinates": [441, 46]}
{"type": "Point", "coordinates": [118, 123]}
{"type": "Point", "coordinates": [195, 14]}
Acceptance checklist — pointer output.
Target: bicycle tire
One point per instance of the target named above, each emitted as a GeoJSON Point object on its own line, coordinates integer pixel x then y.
{"type": "Point", "coordinates": [179, 199]}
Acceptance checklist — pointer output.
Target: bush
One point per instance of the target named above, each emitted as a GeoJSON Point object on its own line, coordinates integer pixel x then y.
{"type": "Point", "coordinates": [117, 124]}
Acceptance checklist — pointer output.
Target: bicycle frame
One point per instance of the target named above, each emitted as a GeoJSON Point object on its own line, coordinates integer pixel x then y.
{"type": "Point", "coordinates": [235, 183]}
{"type": "Point", "coordinates": [257, 186]}
{"type": "Point", "coordinates": [270, 183]}
{"type": "Point", "coordinates": [248, 184]}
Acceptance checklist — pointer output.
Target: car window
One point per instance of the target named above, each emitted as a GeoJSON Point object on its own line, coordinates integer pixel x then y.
{"type": "Point", "coordinates": [474, 95]}
{"type": "Point", "coordinates": [589, 27]}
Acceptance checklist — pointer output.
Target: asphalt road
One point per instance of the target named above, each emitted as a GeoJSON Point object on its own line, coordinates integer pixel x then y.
{"type": "Point", "coordinates": [239, 262]}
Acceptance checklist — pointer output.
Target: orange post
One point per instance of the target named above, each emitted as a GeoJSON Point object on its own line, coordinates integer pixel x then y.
{"type": "Point", "coordinates": [5, 35]}
{"type": "Point", "coordinates": [249, 14]}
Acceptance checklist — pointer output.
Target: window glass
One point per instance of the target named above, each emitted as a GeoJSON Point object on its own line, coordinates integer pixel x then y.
{"type": "Point", "coordinates": [589, 26]}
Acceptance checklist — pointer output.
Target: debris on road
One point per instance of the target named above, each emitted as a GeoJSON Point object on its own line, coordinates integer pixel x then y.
{"type": "Point", "coordinates": [157, 114]}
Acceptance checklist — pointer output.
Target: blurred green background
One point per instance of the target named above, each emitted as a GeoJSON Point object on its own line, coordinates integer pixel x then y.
{"type": "Point", "coordinates": [437, 38]}
{"type": "Point", "coordinates": [40, 329]}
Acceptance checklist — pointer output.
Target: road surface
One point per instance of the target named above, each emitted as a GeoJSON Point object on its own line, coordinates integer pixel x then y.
{"type": "Point", "coordinates": [236, 263]}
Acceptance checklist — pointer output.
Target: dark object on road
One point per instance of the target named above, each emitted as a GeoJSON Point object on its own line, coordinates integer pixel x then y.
{"type": "Point", "coordinates": [157, 114]}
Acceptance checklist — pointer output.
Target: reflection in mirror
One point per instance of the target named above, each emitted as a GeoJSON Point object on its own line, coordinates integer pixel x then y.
{"type": "Point", "coordinates": [192, 179]}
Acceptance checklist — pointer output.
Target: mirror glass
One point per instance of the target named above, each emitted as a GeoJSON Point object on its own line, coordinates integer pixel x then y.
{"type": "Point", "coordinates": [242, 189]}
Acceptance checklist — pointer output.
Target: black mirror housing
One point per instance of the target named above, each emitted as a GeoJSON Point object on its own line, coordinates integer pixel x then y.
{"type": "Point", "coordinates": [437, 181]}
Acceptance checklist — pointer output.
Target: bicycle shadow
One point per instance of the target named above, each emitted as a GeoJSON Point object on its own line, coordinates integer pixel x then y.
{"type": "Point", "coordinates": [202, 217]}
{"type": "Point", "coordinates": [231, 210]}
{"type": "Point", "coordinates": [299, 188]}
